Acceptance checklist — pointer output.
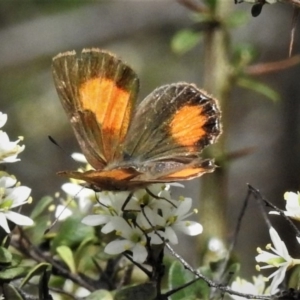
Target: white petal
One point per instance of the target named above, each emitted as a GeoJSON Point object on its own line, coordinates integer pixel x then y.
{"type": "Point", "coordinates": [107, 228]}
{"type": "Point", "coordinates": [79, 157]}
{"type": "Point", "coordinates": [171, 235]}
{"type": "Point", "coordinates": [7, 181]}
{"type": "Point", "coordinates": [139, 253]}
{"type": "Point", "coordinates": [3, 119]}
{"type": "Point", "coordinates": [62, 212]}
{"type": "Point", "coordinates": [177, 184]}
{"type": "Point", "coordinates": [19, 195]}
{"type": "Point", "coordinates": [117, 247]}
{"type": "Point", "coordinates": [277, 242]}
{"type": "Point", "coordinates": [95, 220]}
{"type": "Point", "coordinates": [3, 222]}
{"type": "Point", "coordinates": [157, 238]}
{"type": "Point", "coordinates": [184, 207]}
{"type": "Point", "coordinates": [18, 218]}
{"type": "Point", "coordinates": [71, 188]}
{"type": "Point", "coordinates": [279, 275]}
{"type": "Point", "coordinates": [122, 226]}
{"type": "Point", "coordinates": [265, 257]}
{"type": "Point", "coordinates": [189, 227]}
{"type": "Point", "coordinates": [242, 286]}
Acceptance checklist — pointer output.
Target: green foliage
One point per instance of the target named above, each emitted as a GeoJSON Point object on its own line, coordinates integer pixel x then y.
{"type": "Point", "coordinates": [100, 294]}
{"type": "Point", "coordinates": [257, 86]}
{"type": "Point", "coordinates": [178, 276]}
{"type": "Point", "coordinates": [145, 291]}
{"type": "Point", "coordinates": [237, 19]}
{"type": "Point", "coordinates": [5, 256]}
{"type": "Point", "coordinates": [71, 233]}
{"type": "Point", "coordinates": [36, 270]}
{"type": "Point", "coordinates": [184, 40]}
{"type": "Point", "coordinates": [40, 207]}
{"type": "Point", "coordinates": [10, 292]}
{"type": "Point", "coordinates": [65, 253]}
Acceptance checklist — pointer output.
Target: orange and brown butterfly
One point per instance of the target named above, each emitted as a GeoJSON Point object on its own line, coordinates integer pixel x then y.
{"type": "Point", "coordinates": [131, 145]}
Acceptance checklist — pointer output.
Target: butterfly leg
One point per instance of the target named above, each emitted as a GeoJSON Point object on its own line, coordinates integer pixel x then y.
{"type": "Point", "coordinates": [127, 201]}
{"type": "Point", "coordinates": [158, 197]}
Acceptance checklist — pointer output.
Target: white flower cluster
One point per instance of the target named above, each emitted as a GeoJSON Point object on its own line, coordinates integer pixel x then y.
{"type": "Point", "coordinates": [11, 194]}
{"type": "Point", "coordinates": [276, 256]}
{"type": "Point", "coordinates": [153, 218]}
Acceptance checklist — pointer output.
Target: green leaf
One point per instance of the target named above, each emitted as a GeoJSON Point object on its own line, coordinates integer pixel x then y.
{"type": "Point", "coordinates": [16, 260]}
{"type": "Point", "coordinates": [66, 255]}
{"type": "Point", "coordinates": [294, 279]}
{"type": "Point", "coordinates": [36, 270]}
{"type": "Point", "coordinates": [178, 277]}
{"type": "Point", "coordinates": [71, 233]}
{"type": "Point", "coordinates": [237, 19]}
{"type": "Point", "coordinates": [13, 273]}
{"type": "Point", "coordinates": [5, 256]}
{"type": "Point", "coordinates": [258, 87]}
{"type": "Point", "coordinates": [10, 292]}
{"type": "Point", "coordinates": [37, 232]}
{"type": "Point", "coordinates": [145, 291]}
{"type": "Point", "coordinates": [101, 294]}
{"type": "Point", "coordinates": [212, 4]}
{"type": "Point", "coordinates": [243, 55]}
{"type": "Point", "coordinates": [41, 206]}
{"type": "Point", "coordinates": [184, 40]}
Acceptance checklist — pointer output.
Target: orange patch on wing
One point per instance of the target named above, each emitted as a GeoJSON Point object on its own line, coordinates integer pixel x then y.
{"type": "Point", "coordinates": [110, 104]}
{"type": "Point", "coordinates": [186, 126]}
{"type": "Point", "coordinates": [117, 174]}
{"type": "Point", "coordinates": [186, 173]}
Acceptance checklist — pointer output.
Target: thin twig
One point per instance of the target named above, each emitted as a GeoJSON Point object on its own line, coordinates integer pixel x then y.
{"type": "Point", "coordinates": [265, 68]}
{"type": "Point", "coordinates": [213, 284]}
{"type": "Point", "coordinates": [293, 30]}
{"type": "Point", "coordinates": [39, 256]}
{"type": "Point", "coordinates": [258, 195]}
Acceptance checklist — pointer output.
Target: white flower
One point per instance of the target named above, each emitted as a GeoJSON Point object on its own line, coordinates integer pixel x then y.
{"type": "Point", "coordinates": [110, 205]}
{"type": "Point", "coordinates": [11, 197]}
{"type": "Point", "coordinates": [258, 287]}
{"type": "Point", "coordinates": [9, 150]}
{"type": "Point", "coordinates": [292, 206]}
{"type": "Point", "coordinates": [3, 119]}
{"type": "Point", "coordinates": [133, 240]}
{"type": "Point", "coordinates": [85, 199]}
{"type": "Point", "coordinates": [280, 259]}
{"type": "Point", "coordinates": [172, 219]}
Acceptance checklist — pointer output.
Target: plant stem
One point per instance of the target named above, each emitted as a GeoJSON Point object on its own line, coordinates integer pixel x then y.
{"type": "Point", "coordinates": [213, 197]}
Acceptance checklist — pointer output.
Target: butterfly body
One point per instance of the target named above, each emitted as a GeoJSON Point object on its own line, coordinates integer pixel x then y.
{"type": "Point", "coordinates": [132, 145]}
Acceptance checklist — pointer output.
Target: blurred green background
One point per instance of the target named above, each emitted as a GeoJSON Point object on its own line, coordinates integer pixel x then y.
{"type": "Point", "coordinates": [140, 32]}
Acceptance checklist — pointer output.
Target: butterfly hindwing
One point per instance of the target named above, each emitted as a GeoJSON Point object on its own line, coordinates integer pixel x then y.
{"type": "Point", "coordinates": [174, 121]}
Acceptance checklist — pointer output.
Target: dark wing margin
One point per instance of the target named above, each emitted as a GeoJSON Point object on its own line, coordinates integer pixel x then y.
{"type": "Point", "coordinates": [98, 92]}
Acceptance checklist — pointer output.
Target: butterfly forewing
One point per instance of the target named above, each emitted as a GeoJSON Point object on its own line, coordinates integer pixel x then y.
{"type": "Point", "coordinates": [98, 92]}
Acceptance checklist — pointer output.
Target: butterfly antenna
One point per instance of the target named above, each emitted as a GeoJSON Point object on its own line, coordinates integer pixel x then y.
{"type": "Point", "coordinates": [57, 218]}
{"type": "Point", "coordinates": [52, 140]}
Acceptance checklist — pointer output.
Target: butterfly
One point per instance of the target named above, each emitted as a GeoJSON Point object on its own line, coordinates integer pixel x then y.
{"type": "Point", "coordinates": [131, 145]}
